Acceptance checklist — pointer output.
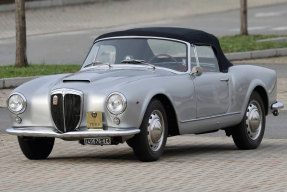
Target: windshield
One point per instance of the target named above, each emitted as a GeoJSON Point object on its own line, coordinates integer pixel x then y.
{"type": "Point", "coordinates": [162, 53]}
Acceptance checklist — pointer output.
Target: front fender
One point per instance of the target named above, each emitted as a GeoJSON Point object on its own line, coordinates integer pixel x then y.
{"type": "Point", "coordinates": [136, 107]}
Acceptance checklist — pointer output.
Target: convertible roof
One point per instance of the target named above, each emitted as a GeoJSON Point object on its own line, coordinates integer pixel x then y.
{"type": "Point", "coordinates": [192, 36]}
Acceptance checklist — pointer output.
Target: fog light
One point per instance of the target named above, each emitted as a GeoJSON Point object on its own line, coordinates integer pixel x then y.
{"type": "Point", "coordinates": [18, 120]}
{"type": "Point", "coordinates": [117, 121]}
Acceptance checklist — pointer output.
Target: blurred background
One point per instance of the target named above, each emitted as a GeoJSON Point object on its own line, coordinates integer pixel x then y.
{"type": "Point", "coordinates": [62, 31]}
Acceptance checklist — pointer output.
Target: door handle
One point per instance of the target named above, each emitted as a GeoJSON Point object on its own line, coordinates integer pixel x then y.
{"type": "Point", "coordinates": [224, 79]}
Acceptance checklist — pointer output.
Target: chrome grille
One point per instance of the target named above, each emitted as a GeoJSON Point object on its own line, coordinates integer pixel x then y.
{"type": "Point", "coordinates": [66, 109]}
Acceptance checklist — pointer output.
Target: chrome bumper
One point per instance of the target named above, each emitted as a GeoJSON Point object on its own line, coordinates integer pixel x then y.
{"type": "Point", "coordinates": [50, 132]}
{"type": "Point", "coordinates": [275, 108]}
{"type": "Point", "coordinates": [277, 105]}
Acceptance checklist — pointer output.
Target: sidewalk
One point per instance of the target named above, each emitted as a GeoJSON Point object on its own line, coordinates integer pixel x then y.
{"type": "Point", "coordinates": [113, 13]}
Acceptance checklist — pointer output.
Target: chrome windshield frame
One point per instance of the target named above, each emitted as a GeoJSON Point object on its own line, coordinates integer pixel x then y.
{"type": "Point", "coordinates": [146, 66]}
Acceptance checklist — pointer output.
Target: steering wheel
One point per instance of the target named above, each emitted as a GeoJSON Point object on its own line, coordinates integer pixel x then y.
{"type": "Point", "coordinates": [162, 55]}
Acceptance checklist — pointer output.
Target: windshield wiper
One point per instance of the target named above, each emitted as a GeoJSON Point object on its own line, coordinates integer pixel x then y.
{"type": "Point", "coordinates": [137, 61]}
{"type": "Point", "coordinates": [97, 63]}
{"type": "Point", "coordinates": [132, 61]}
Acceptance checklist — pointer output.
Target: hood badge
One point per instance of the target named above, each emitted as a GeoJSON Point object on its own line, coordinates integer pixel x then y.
{"type": "Point", "coordinates": [55, 100]}
{"type": "Point", "coordinates": [94, 114]}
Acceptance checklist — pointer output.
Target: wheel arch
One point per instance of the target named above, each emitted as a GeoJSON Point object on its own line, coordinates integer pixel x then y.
{"type": "Point", "coordinates": [263, 94]}
{"type": "Point", "coordinates": [170, 113]}
{"type": "Point", "coordinates": [259, 87]}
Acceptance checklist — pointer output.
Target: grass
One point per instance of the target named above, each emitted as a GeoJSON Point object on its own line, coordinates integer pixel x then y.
{"type": "Point", "coordinates": [239, 43]}
{"type": "Point", "coordinates": [229, 44]}
{"type": "Point", "coordinates": [36, 70]}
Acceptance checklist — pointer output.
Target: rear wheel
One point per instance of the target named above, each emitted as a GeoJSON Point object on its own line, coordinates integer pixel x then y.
{"type": "Point", "coordinates": [149, 144]}
{"type": "Point", "coordinates": [35, 148]}
{"type": "Point", "coordinates": [249, 133]}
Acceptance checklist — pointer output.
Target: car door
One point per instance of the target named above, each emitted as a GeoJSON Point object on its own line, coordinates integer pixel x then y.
{"type": "Point", "coordinates": [212, 87]}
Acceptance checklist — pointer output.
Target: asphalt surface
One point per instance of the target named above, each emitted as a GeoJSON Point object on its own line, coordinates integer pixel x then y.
{"type": "Point", "coordinates": [72, 47]}
{"type": "Point", "coordinates": [269, 19]}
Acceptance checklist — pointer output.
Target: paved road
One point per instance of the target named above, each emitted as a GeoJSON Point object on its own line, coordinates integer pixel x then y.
{"type": "Point", "coordinates": [261, 20]}
{"type": "Point", "coordinates": [72, 47]}
{"type": "Point", "coordinates": [4, 119]}
{"type": "Point", "coordinates": [189, 164]}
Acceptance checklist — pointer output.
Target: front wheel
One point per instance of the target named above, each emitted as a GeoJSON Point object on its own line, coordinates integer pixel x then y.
{"type": "Point", "coordinates": [36, 148]}
{"type": "Point", "coordinates": [249, 133]}
{"type": "Point", "coordinates": [149, 144]}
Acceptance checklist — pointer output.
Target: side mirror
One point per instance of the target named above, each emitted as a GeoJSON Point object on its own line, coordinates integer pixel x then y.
{"type": "Point", "coordinates": [196, 70]}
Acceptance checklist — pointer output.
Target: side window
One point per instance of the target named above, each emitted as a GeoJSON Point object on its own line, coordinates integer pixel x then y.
{"type": "Point", "coordinates": [169, 54]}
{"type": "Point", "coordinates": [207, 59]}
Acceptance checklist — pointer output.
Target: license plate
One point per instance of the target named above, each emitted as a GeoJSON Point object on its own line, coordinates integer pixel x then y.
{"type": "Point", "coordinates": [97, 141]}
{"type": "Point", "coordinates": [94, 120]}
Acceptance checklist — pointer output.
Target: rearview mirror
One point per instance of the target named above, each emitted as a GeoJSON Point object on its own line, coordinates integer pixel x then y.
{"type": "Point", "coordinates": [196, 70]}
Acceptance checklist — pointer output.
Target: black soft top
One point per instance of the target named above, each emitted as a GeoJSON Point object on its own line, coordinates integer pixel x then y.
{"type": "Point", "coordinates": [192, 36]}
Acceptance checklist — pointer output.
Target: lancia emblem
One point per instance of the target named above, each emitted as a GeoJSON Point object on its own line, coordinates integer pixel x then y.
{"type": "Point", "coordinates": [94, 114]}
{"type": "Point", "coordinates": [55, 100]}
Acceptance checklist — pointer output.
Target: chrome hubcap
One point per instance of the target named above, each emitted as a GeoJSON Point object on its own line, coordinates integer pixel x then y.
{"type": "Point", "coordinates": [155, 130]}
{"type": "Point", "coordinates": [254, 120]}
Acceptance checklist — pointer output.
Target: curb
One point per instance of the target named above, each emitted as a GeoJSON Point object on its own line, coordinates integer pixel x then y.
{"type": "Point", "coordinates": [257, 54]}
{"type": "Point", "coordinates": [15, 82]}
{"type": "Point", "coordinates": [46, 3]}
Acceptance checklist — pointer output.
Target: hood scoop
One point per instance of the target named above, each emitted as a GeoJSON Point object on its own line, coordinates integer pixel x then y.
{"type": "Point", "coordinates": [76, 81]}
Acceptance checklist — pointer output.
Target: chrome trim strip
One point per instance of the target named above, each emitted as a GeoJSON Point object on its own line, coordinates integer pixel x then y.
{"type": "Point", "coordinates": [277, 105]}
{"type": "Point", "coordinates": [65, 91]}
{"type": "Point", "coordinates": [210, 117]}
{"type": "Point", "coordinates": [49, 132]}
{"type": "Point", "coordinates": [154, 37]}
{"type": "Point", "coordinates": [124, 66]}
{"type": "Point", "coordinates": [195, 55]}
{"type": "Point", "coordinates": [63, 112]}
{"type": "Point", "coordinates": [142, 37]}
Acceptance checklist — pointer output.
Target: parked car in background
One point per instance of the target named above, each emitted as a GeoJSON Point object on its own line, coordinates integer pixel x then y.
{"type": "Point", "coordinates": [141, 86]}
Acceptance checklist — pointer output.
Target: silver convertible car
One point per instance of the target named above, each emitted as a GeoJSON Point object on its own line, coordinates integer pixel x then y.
{"type": "Point", "coordinates": [141, 86]}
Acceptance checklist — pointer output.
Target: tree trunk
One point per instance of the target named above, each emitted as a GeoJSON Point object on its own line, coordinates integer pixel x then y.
{"type": "Point", "coordinates": [21, 55]}
{"type": "Point", "coordinates": [243, 17]}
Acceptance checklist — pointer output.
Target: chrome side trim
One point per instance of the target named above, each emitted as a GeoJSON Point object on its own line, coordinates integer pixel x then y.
{"type": "Point", "coordinates": [277, 105]}
{"type": "Point", "coordinates": [49, 132]}
{"type": "Point", "coordinates": [210, 117]}
{"type": "Point", "coordinates": [65, 91]}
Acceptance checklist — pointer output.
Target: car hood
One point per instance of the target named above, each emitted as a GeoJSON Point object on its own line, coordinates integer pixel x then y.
{"type": "Point", "coordinates": [106, 79]}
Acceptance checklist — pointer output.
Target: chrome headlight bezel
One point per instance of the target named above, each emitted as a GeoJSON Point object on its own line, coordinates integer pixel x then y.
{"type": "Point", "coordinates": [123, 101]}
{"type": "Point", "coordinates": [24, 103]}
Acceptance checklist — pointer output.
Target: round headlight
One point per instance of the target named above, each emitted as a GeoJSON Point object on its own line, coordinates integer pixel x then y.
{"type": "Point", "coordinates": [116, 103]}
{"type": "Point", "coordinates": [17, 103]}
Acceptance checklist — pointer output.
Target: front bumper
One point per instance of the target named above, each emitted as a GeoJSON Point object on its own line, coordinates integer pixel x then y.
{"type": "Point", "coordinates": [50, 132]}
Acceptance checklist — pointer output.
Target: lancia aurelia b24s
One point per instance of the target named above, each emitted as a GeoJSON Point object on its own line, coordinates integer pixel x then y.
{"type": "Point", "coordinates": [141, 86]}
